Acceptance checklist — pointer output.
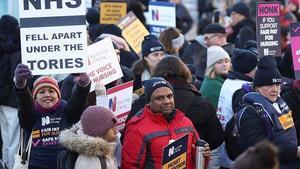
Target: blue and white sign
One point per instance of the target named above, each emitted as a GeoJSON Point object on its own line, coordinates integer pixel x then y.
{"type": "Point", "coordinates": [160, 16]}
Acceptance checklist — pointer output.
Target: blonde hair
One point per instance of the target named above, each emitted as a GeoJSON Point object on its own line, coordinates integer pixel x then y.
{"type": "Point", "coordinates": [211, 72]}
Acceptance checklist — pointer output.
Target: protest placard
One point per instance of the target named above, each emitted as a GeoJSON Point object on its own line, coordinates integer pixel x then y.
{"type": "Point", "coordinates": [133, 31]}
{"type": "Point", "coordinates": [103, 63]}
{"type": "Point", "coordinates": [268, 29]}
{"type": "Point", "coordinates": [53, 36]}
{"type": "Point", "coordinates": [160, 16]}
{"type": "Point", "coordinates": [174, 154]}
{"type": "Point", "coordinates": [295, 45]}
{"type": "Point", "coordinates": [111, 11]}
{"type": "Point", "coordinates": [120, 100]}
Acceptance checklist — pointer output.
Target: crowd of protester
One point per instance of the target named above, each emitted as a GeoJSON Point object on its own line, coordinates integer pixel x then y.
{"type": "Point", "coordinates": [180, 87]}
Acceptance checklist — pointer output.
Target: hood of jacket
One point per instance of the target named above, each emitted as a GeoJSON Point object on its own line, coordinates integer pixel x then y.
{"type": "Point", "coordinates": [75, 140]}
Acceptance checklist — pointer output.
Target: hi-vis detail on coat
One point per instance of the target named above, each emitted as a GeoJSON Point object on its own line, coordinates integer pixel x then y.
{"type": "Point", "coordinates": [286, 120]}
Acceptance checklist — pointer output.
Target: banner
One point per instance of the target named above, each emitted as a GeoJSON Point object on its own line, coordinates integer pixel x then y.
{"type": "Point", "coordinates": [133, 31]}
{"type": "Point", "coordinates": [295, 45]}
{"type": "Point", "coordinates": [268, 29]}
{"type": "Point", "coordinates": [160, 16]}
{"type": "Point", "coordinates": [111, 11]}
{"type": "Point", "coordinates": [174, 154]}
{"type": "Point", "coordinates": [53, 36]}
{"type": "Point", "coordinates": [120, 100]}
{"type": "Point", "coordinates": [103, 63]}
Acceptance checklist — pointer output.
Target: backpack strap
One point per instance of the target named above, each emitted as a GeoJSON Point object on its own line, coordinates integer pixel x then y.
{"type": "Point", "coordinates": [103, 162]}
{"type": "Point", "coordinates": [261, 113]}
{"type": "Point", "coordinates": [267, 119]}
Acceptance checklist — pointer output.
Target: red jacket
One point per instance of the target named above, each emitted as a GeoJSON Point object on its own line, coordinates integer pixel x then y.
{"type": "Point", "coordinates": [148, 133]}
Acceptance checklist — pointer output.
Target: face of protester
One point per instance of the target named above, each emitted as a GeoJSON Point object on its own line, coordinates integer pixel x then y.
{"type": "Point", "coordinates": [291, 7]}
{"type": "Point", "coordinates": [222, 66]}
{"type": "Point", "coordinates": [213, 39]}
{"type": "Point", "coordinates": [162, 101]}
{"type": "Point", "coordinates": [271, 92]}
{"type": "Point", "coordinates": [153, 58]}
{"type": "Point", "coordinates": [47, 97]}
{"type": "Point", "coordinates": [118, 54]}
{"type": "Point", "coordinates": [111, 134]}
{"type": "Point", "coordinates": [236, 18]}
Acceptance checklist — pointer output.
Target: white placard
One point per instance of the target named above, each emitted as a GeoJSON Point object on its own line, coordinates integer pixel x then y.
{"type": "Point", "coordinates": [103, 63]}
{"type": "Point", "coordinates": [120, 100]}
{"type": "Point", "coordinates": [53, 36]}
{"type": "Point", "coordinates": [161, 14]}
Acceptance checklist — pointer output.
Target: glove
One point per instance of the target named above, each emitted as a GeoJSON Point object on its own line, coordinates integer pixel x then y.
{"type": "Point", "coordinates": [22, 73]}
{"type": "Point", "coordinates": [83, 80]}
{"type": "Point", "coordinates": [100, 89]}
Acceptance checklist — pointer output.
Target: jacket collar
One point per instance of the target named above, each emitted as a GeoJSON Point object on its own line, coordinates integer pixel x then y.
{"type": "Point", "coordinates": [75, 140]}
{"type": "Point", "coordinates": [238, 75]}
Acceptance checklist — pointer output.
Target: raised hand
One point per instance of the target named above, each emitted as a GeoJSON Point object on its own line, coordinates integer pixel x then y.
{"type": "Point", "coordinates": [22, 73]}
{"type": "Point", "coordinates": [83, 79]}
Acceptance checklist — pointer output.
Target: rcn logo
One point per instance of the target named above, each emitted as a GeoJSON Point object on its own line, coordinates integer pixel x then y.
{"type": "Point", "coordinates": [155, 15]}
{"type": "Point", "coordinates": [171, 151]}
{"type": "Point", "coordinates": [45, 120]}
{"type": "Point", "coordinates": [112, 104]}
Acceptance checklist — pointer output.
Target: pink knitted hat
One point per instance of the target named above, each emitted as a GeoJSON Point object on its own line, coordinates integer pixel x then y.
{"type": "Point", "coordinates": [97, 120]}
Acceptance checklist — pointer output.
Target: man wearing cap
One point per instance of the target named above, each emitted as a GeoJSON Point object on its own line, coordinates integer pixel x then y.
{"type": "Point", "coordinates": [244, 66]}
{"type": "Point", "coordinates": [154, 127]}
{"type": "Point", "coordinates": [268, 117]}
{"type": "Point", "coordinates": [241, 24]}
{"type": "Point", "coordinates": [215, 34]}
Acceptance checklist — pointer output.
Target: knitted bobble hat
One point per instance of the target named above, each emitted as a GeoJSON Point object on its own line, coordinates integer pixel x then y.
{"type": "Point", "coordinates": [97, 120]}
{"type": "Point", "coordinates": [45, 81]}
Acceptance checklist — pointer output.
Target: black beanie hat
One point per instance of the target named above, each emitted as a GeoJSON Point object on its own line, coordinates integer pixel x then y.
{"type": "Point", "coordinates": [151, 44]}
{"type": "Point", "coordinates": [8, 24]}
{"type": "Point", "coordinates": [267, 73]}
{"type": "Point", "coordinates": [214, 28]}
{"type": "Point", "coordinates": [112, 29]}
{"type": "Point", "coordinates": [154, 83]}
{"type": "Point", "coordinates": [243, 61]}
{"type": "Point", "coordinates": [241, 8]}
{"type": "Point", "coordinates": [92, 16]}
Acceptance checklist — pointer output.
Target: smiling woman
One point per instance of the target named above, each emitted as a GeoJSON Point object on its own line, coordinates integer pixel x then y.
{"type": "Point", "coordinates": [45, 114]}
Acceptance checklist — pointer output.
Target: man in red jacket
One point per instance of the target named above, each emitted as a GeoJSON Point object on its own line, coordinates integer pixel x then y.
{"type": "Point", "coordinates": [154, 127]}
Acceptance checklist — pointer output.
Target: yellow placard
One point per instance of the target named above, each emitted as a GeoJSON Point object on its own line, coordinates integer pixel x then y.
{"type": "Point", "coordinates": [286, 120]}
{"type": "Point", "coordinates": [133, 31]}
{"type": "Point", "coordinates": [178, 163]}
{"type": "Point", "coordinates": [112, 12]}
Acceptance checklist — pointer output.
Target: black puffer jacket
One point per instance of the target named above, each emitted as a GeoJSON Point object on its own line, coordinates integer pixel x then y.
{"type": "Point", "coordinates": [196, 108]}
{"type": "Point", "coordinates": [291, 95]}
{"type": "Point", "coordinates": [8, 64]}
{"type": "Point", "coordinates": [200, 112]}
{"type": "Point", "coordinates": [239, 28]}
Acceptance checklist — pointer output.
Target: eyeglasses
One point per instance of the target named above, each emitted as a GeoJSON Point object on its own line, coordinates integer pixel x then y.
{"type": "Point", "coordinates": [206, 38]}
